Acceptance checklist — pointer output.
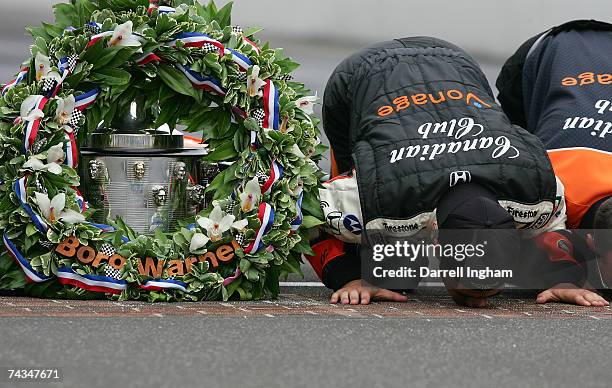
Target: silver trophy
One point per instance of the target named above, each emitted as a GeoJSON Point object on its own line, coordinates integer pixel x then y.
{"type": "Point", "coordinates": [146, 177]}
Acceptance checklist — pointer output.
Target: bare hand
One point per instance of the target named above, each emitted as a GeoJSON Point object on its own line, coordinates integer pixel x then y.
{"type": "Point", "coordinates": [361, 292]}
{"type": "Point", "coordinates": [569, 293]}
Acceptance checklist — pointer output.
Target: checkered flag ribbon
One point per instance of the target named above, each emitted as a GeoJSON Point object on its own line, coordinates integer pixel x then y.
{"type": "Point", "coordinates": [48, 84]}
{"type": "Point", "coordinates": [262, 177]}
{"type": "Point", "coordinates": [72, 62]}
{"type": "Point", "coordinates": [46, 244]}
{"type": "Point", "coordinates": [112, 272]}
{"type": "Point", "coordinates": [242, 76]}
{"type": "Point", "coordinates": [259, 115]}
{"type": "Point", "coordinates": [39, 187]}
{"type": "Point", "coordinates": [52, 51]}
{"type": "Point", "coordinates": [231, 206]}
{"type": "Point", "coordinates": [210, 48]}
{"type": "Point", "coordinates": [108, 249]}
{"type": "Point", "coordinates": [75, 118]}
{"type": "Point", "coordinates": [240, 239]}
{"type": "Point", "coordinates": [38, 145]}
{"type": "Point", "coordinates": [237, 30]}
{"type": "Point", "coordinates": [92, 29]}
{"type": "Point", "coordinates": [285, 77]}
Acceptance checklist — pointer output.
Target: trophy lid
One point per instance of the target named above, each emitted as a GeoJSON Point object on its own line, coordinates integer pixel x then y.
{"type": "Point", "coordinates": [131, 133]}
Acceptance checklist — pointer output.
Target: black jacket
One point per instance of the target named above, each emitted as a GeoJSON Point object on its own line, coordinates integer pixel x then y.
{"type": "Point", "coordinates": [412, 116]}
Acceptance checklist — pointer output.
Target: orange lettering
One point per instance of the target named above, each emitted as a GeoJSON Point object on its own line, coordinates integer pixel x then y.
{"type": "Point", "coordinates": [68, 247]}
{"type": "Point", "coordinates": [605, 79]}
{"type": "Point", "coordinates": [117, 261]}
{"type": "Point", "coordinates": [586, 78]}
{"type": "Point", "coordinates": [225, 253]}
{"type": "Point", "coordinates": [150, 269]}
{"type": "Point", "coordinates": [401, 103]}
{"type": "Point", "coordinates": [176, 268]}
{"type": "Point", "coordinates": [385, 111]}
{"type": "Point", "coordinates": [189, 262]}
{"type": "Point", "coordinates": [419, 99]}
{"type": "Point", "coordinates": [454, 94]}
{"type": "Point", "coordinates": [211, 257]}
{"type": "Point", "coordinates": [569, 81]}
{"type": "Point", "coordinates": [86, 254]}
{"type": "Point", "coordinates": [441, 100]}
{"type": "Point", "coordinates": [471, 96]}
{"type": "Point", "coordinates": [100, 257]}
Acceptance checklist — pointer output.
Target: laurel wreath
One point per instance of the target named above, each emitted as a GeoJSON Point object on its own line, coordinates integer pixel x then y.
{"type": "Point", "coordinates": [114, 71]}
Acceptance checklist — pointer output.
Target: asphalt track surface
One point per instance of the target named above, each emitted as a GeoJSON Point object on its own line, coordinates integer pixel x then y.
{"type": "Point", "coordinates": [300, 340]}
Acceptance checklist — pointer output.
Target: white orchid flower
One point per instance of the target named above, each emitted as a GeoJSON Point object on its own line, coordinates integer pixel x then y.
{"type": "Point", "coordinates": [306, 104]}
{"type": "Point", "coordinates": [240, 225]}
{"type": "Point", "coordinates": [250, 196]}
{"type": "Point", "coordinates": [254, 83]}
{"type": "Point", "coordinates": [56, 154]}
{"type": "Point", "coordinates": [54, 209]}
{"type": "Point", "coordinates": [36, 164]}
{"type": "Point", "coordinates": [65, 107]}
{"type": "Point", "coordinates": [55, 157]}
{"type": "Point", "coordinates": [122, 36]}
{"type": "Point", "coordinates": [29, 109]}
{"type": "Point", "coordinates": [43, 66]}
{"type": "Point", "coordinates": [199, 240]}
{"type": "Point", "coordinates": [216, 224]}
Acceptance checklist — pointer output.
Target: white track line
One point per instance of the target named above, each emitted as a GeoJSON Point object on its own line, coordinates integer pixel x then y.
{"type": "Point", "coordinates": [301, 284]}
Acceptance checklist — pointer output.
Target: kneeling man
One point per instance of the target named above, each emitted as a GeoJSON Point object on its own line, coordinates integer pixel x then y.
{"type": "Point", "coordinates": [414, 123]}
{"type": "Point", "coordinates": [558, 86]}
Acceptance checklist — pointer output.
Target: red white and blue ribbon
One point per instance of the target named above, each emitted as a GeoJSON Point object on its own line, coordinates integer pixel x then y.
{"type": "Point", "coordinates": [64, 65]}
{"type": "Point", "coordinates": [31, 275]}
{"type": "Point", "coordinates": [276, 174]}
{"type": "Point", "coordinates": [20, 77]}
{"type": "Point", "coordinates": [92, 283]}
{"type": "Point", "coordinates": [160, 8]}
{"type": "Point", "coordinates": [197, 39]}
{"type": "Point", "coordinates": [80, 200]}
{"type": "Point", "coordinates": [231, 279]}
{"type": "Point", "coordinates": [271, 106]}
{"type": "Point", "coordinates": [83, 101]}
{"type": "Point", "coordinates": [147, 58]}
{"type": "Point", "coordinates": [295, 224]}
{"type": "Point", "coordinates": [97, 37]}
{"type": "Point", "coordinates": [21, 191]}
{"type": "Point", "coordinates": [65, 69]}
{"type": "Point", "coordinates": [72, 153]}
{"type": "Point", "coordinates": [164, 284]}
{"type": "Point", "coordinates": [252, 44]}
{"type": "Point", "coordinates": [31, 128]}
{"type": "Point", "coordinates": [243, 62]}
{"type": "Point", "coordinates": [210, 84]}
{"type": "Point", "coordinates": [266, 217]}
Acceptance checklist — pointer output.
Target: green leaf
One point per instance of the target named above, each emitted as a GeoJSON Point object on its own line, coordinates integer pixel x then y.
{"type": "Point", "coordinates": [310, 222]}
{"type": "Point", "coordinates": [225, 151]}
{"type": "Point", "coordinates": [114, 56]}
{"type": "Point", "coordinates": [176, 80]}
{"type": "Point", "coordinates": [83, 11]}
{"type": "Point", "coordinates": [64, 14]}
{"type": "Point", "coordinates": [224, 15]}
{"type": "Point", "coordinates": [111, 77]}
{"type": "Point", "coordinates": [31, 230]}
{"type": "Point", "coordinates": [312, 205]}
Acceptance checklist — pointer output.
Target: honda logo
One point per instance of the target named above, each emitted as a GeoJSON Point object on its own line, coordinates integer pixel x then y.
{"type": "Point", "coordinates": [457, 177]}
